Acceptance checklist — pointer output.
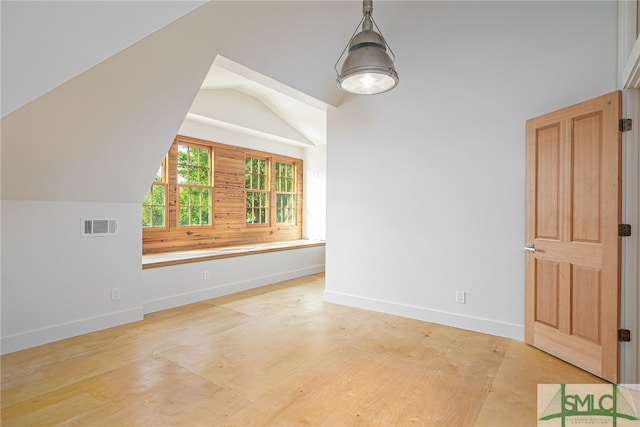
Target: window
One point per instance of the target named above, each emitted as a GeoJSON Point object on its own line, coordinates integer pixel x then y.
{"type": "Point", "coordinates": [209, 195]}
{"type": "Point", "coordinates": [285, 193]}
{"type": "Point", "coordinates": [154, 207]}
{"type": "Point", "coordinates": [194, 185]}
{"type": "Point", "coordinates": [256, 184]}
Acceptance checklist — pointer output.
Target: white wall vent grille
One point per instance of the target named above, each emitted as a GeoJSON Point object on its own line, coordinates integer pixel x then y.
{"type": "Point", "coordinates": [98, 227]}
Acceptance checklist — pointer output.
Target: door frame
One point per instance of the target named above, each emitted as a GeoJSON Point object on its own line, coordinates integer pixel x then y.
{"type": "Point", "coordinates": [630, 297]}
{"type": "Point", "coordinates": [629, 82]}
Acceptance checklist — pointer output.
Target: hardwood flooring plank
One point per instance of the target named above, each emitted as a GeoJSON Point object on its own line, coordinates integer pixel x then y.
{"type": "Point", "coordinates": [278, 356]}
{"type": "Point", "coordinates": [513, 395]}
{"type": "Point", "coordinates": [149, 392]}
{"type": "Point", "coordinates": [59, 364]}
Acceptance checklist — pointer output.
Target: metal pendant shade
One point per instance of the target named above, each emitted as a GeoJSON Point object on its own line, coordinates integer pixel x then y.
{"type": "Point", "coordinates": [368, 69]}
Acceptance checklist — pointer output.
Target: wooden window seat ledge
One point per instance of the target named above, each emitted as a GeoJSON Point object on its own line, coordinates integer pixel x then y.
{"type": "Point", "coordinates": [197, 255]}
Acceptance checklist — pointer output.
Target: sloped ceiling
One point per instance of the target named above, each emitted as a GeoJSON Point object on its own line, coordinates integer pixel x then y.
{"type": "Point", "coordinates": [239, 99]}
{"type": "Point", "coordinates": [46, 43]}
{"type": "Point", "coordinates": [122, 114]}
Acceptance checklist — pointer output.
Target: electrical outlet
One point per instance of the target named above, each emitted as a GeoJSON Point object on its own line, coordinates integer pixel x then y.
{"type": "Point", "coordinates": [205, 275]}
{"type": "Point", "coordinates": [461, 297]}
{"type": "Point", "coordinates": [115, 294]}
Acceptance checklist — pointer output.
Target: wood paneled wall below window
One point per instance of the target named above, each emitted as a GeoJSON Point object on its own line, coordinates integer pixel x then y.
{"type": "Point", "coordinates": [229, 227]}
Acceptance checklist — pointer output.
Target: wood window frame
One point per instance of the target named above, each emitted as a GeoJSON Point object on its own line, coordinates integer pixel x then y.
{"type": "Point", "coordinates": [228, 211]}
{"type": "Point", "coordinates": [293, 193]}
{"type": "Point", "coordinates": [177, 186]}
{"type": "Point", "coordinates": [164, 183]}
{"type": "Point", "coordinates": [268, 190]}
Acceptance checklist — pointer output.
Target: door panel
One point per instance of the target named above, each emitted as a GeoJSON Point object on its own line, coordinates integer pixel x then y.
{"type": "Point", "coordinates": [548, 183]}
{"type": "Point", "coordinates": [572, 216]}
{"type": "Point", "coordinates": [547, 291]}
{"type": "Point", "coordinates": [587, 175]}
{"type": "Point", "coordinates": [585, 302]}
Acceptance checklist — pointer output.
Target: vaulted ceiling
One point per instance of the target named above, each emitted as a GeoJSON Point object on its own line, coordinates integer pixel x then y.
{"type": "Point", "coordinates": [239, 99]}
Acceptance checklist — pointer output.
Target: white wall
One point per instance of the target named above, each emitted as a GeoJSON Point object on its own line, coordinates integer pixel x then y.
{"type": "Point", "coordinates": [426, 183]}
{"type": "Point", "coordinates": [315, 193]}
{"type": "Point", "coordinates": [166, 287]}
{"type": "Point", "coordinates": [56, 284]}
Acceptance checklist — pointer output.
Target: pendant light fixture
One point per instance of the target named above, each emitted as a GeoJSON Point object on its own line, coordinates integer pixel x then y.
{"type": "Point", "coordinates": [368, 68]}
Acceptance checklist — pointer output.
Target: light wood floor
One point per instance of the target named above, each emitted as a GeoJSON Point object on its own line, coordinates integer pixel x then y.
{"type": "Point", "coordinates": [278, 356]}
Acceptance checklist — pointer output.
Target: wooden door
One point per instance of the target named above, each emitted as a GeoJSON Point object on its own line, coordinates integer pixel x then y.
{"type": "Point", "coordinates": [573, 205]}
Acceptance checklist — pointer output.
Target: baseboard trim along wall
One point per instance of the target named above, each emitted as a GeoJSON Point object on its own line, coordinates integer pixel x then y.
{"type": "Point", "coordinates": [476, 324]}
{"type": "Point", "coordinates": [177, 300]}
{"type": "Point", "coordinates": [36, 337]}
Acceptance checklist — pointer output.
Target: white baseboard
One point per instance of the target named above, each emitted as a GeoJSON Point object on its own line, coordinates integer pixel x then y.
{"type": "Point", "coordinates": [28, 339]}
{"type": "Point", "coordinates": [61, 331]}
{"type": "Point", "coordinates": [476, 324]}
{"type": "Point", "coordinates": [177, 300]}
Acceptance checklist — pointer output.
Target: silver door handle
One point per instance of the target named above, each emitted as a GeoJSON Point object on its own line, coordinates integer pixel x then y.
{"type": "Point", "coordinates": [530, 248]}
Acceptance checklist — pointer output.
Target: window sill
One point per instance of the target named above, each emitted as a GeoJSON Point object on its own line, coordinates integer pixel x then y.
{"type": "Point", "coordinates": [186, 257]}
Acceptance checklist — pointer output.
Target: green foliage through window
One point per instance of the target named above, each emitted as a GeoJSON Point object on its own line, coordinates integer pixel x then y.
{"type": "Point", "coordinates": [195, 206]}
{"type": "Point", "coordinates": [193, 165]}
{"type": "Point", "coordinates": [194, 185]}
{"type": "Point", "coordinates": [285, 193]}
{"type": "Point", "coordinates": [154, 205]}
{"type": "Point", "coordinates": [256, 184]}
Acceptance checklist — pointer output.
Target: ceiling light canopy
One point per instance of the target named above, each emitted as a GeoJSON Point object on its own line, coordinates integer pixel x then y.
{"type": "Point", "coordinates": [368, 69]}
